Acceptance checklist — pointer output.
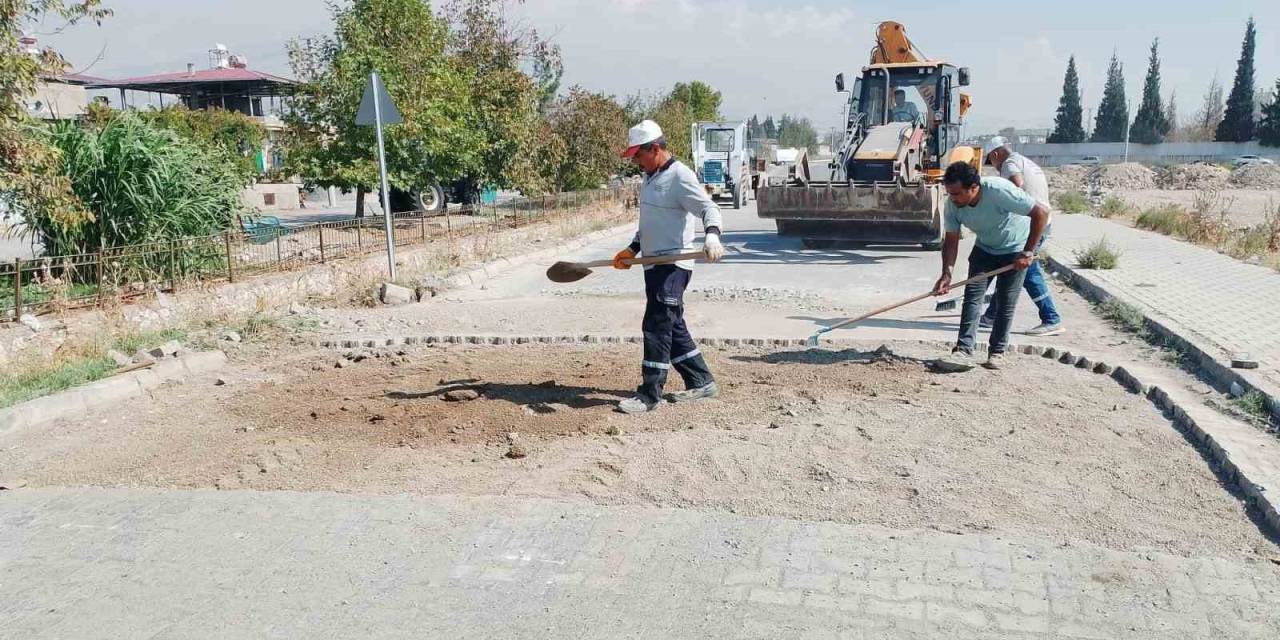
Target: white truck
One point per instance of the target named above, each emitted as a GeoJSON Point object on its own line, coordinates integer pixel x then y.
{"type": "Point", "coordinates": [720, 159]}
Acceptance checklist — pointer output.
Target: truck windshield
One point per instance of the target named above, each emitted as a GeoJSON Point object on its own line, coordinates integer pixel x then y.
{"type": "Point", "coordinates": [719, 140]}
{"type": "Point", "coordinates": [911, 97]}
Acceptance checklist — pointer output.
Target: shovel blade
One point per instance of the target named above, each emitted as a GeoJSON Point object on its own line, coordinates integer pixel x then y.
{"type": "Point", "coordinates": [567, 272]}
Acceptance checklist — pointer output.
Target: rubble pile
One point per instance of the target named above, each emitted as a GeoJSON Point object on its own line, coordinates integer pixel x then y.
{"type": "Point", "coordinates": [1257, 176]}
{"type": "Point", "coordinates": [1192, 177]}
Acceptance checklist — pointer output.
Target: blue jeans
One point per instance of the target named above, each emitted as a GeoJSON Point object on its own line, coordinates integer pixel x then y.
{"type": "Point", "coordinates": [1038, 289]}
{"type": "Point", "coordinates": [1005, 300]}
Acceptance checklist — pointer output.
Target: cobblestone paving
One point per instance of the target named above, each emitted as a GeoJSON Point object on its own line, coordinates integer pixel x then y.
{"type": "Point", "coordinates": [102, 563]}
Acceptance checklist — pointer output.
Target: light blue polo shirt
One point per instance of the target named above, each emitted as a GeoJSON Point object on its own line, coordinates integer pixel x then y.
{"type": "Point", "coordinates": [1001, 219]}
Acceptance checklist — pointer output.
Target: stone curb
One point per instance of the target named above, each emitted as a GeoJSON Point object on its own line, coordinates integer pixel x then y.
{"type": "Point", "coordinates": [478, 275]}
{"type": "Point", "coordinates": [1217, 369]}
{"type": "Point", "coordinates": [1227, 443]}
{"type": "Point", "coordinates": [76, 401]}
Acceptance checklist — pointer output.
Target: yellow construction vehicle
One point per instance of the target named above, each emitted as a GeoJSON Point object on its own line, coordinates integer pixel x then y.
{"type": "Point", "coordinates": [902, 129]}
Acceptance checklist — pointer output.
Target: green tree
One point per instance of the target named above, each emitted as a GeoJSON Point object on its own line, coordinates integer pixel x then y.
{"type": "Point", "coordinates": [1269, 124]}
{"type": "Point", "coordinates": [505, 101]}
{"type": "Point", "coordinates": [1149, 124]}
{"type": "Point", "coordinates": [30, 181]}
{"type": "Point", "coordinates": [440, 139]}
{"type": "Point", "coordinates": [1237, 122]}
{"type": "Point", "coordinates": [770, 129]}
{"type": "Point", "coordinates": [232, 136]}
{"type": "Point", "coordinates": [1068, 124]}
{"type": "Point", "coordinates": [798, 133]}
{"type": "Point", "coordinates": [1113, 111]}
{"type": "Point", "coordinates": [701, 101]}
{"type": "Point", "coordinates": [593, 130]}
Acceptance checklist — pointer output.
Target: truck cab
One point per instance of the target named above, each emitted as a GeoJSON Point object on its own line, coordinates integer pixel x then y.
{"type": "Point", "coordinates": [720, 158]}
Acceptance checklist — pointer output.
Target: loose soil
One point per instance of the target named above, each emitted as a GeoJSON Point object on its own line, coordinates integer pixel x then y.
{"type": "Point", "coordinates": [1036, 449]}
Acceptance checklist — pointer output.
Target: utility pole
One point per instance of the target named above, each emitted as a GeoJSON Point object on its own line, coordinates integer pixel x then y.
{"type": "Point", "coordinates": [1127, 109]}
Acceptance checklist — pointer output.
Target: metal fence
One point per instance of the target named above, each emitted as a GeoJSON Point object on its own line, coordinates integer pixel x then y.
{"type": "Point", "coordinates": [53, 283]}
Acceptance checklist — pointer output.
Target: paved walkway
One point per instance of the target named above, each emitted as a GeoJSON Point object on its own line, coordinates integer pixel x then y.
{"type": "Point", "coordinates": [1214, 300]}
{"type": "Point", "coordinates": [92, 563]}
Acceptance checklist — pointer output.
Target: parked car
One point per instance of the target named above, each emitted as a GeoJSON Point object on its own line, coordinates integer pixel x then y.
{"type": "Point", "coordinates": [1090, 160]}
{"type": "Point", "coordinates": [1250, 159]}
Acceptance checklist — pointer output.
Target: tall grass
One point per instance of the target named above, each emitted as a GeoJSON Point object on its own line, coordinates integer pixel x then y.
{"type": "Point", "coordinates": [1071, 202]}
{"type": "Point", "coordinates": [142, 183]}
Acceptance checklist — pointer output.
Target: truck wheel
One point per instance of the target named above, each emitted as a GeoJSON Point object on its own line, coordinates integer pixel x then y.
{"type": "Point", "coordinates": [431, 199]}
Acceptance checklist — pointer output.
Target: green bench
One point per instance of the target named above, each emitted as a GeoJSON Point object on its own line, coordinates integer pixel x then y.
{"type": "Point", "coordinates": [260, 229]}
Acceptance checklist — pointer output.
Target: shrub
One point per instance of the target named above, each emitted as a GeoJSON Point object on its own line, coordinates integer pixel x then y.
{"type": "Point", "coordinates": [1112, 207]}
{"type": "Point", "coordinates": [1099, 255]}
{"type": "Point", "coordinates": [1171, 220]}
{"type": "Point", "coordinates": [1071, 202]}
{"type": "Point", "coordinates": [1123, 316]}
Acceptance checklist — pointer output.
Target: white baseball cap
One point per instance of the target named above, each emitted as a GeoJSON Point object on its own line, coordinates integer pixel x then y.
{"type": "Point", "coordinates": [643, 133]}
{"type": "Point", "coordinates": [992, 145]}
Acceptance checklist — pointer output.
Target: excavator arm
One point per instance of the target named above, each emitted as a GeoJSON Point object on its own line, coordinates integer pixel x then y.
{"type": "Point", "coordinates": [893, 46]}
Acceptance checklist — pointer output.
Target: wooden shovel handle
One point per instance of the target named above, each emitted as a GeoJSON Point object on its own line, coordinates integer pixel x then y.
{"type": "Point", "coordinates": [692, 255]}
{"type": "Point", "coordinates": [901, 303]}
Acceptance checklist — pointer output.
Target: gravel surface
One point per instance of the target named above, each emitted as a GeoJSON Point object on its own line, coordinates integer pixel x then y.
{"type": "Point", "coordinates": [1039, 448]}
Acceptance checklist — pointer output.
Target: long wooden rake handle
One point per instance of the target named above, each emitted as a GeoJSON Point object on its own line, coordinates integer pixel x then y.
{"type": "Point", "coordinates": [903, 303]}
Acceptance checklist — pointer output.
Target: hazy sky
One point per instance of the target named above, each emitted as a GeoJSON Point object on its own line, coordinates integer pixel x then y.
{"type": "Point", "coordinates": [764, 56]}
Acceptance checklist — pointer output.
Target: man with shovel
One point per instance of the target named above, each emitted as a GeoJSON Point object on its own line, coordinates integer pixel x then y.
{"type": "Point", "coordinates": [1007, 223]}
{"type": "Point", "coordinates": [671, 200]}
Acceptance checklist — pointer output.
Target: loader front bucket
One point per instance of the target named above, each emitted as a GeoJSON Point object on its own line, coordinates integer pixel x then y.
{"type": "Point", "coordinates": [885, 214]}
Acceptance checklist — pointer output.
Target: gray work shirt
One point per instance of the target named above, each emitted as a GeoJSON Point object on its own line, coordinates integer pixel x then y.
{"type": "Point", "coordinates": [671, 200]}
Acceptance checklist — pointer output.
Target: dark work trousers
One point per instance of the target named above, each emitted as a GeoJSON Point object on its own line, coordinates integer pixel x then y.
{"type": "Point", "coordinates": [1003, 302]}
{"type": "Point", "coordinates": [667, 342]}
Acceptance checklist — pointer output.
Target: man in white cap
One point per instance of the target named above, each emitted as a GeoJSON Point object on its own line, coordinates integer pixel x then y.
{"type": "Point", "coordinates": [671, 202]}
{"type": "Point", "coordinates": [1029, 177]}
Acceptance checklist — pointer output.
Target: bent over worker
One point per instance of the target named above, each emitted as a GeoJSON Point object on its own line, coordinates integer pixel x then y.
{"type": "Point", "coordinates": [1007, 223]}
{"type": "Point", "coordinates": [671, 202]}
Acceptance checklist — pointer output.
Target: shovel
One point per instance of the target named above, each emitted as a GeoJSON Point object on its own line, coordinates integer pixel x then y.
{"type": "Point", "coordinates": [574, 271]}
{"type": "Point", "coordinates": [813, 339]}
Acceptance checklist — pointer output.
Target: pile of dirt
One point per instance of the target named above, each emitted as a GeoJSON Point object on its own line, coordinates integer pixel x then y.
{"type": "Point", "coordinates": [1192, 177]}
{"type": "Point", "coordinates": [1126, 175]}
{"type": "Point", "coordinates": [1257, 176]}
{"type": "Point", "coordinates": [1069, 177]}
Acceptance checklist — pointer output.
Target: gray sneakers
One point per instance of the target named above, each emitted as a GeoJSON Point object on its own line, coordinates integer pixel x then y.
{"type": "Point", "coordinates": [956, 362]}
{"type": "Point", "coordinates": [635, 405]}
{"type": "Point", "coordinates": [1044, 330]}
{"type": "Point", "coordinates": [710, 390]}
{"type": "Point", "coordinates": [995, 361]}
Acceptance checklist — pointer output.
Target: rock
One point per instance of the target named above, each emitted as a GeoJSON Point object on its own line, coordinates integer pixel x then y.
{"type": "Point", "coordinates": [220, 382]}
{"type": "Point", "coordinates": [31, 322]}
{"type": "Point", "coordinates": [171, 348]}
{"type": "Point", "coordinates": [461, 395]}
{"type": "Point", "coordinates": [338, 364]}
{"type": "Point", "coordinates": [120, 359]}
{"type": "Point", "coordinates": [231, 336]}
{"type": "Point", "coordinates": [141, 356]}
{"type": "Point", "coordinates": [517, 451]}
{"type": "Point", "coordinates": [394, 294]}
{"type": "Point", "coordinates": [1243, 361]}
{"type": "Point", "coordinates": [613, 430]}
{"type": "Point", "coordinates": [425, 292]}
{"type": "Point", "coordinates": [1236, 390]}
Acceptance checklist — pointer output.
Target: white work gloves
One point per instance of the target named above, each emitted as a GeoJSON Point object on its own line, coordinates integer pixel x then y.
{"type": "Point", "coordinates": [711, 247]}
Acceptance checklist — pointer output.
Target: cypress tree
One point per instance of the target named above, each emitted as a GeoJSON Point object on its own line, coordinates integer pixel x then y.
{"type": "Point", "coordinates": [1113, 112]}
{"type": "Point", "coordinates": [1269, 126]}
{"type": "Point", "coordinates": [1237, 124]}
{"type": "Point", "coordinates": [1149, 124]}
{"type": "Point", "coordinates": [1068, 124]}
